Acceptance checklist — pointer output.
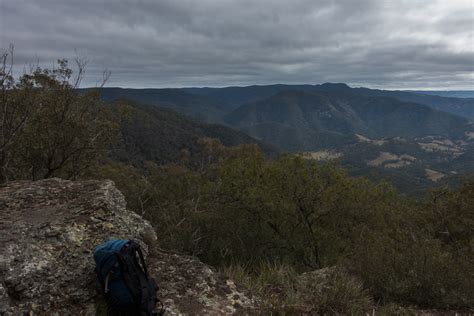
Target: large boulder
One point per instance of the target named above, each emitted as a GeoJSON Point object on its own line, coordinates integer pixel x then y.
{"type": "Point", "coordinates": [48, 230]}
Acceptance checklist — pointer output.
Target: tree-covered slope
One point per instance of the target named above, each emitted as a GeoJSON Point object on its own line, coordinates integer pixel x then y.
{"type": "Point", "coordinates": [151, 133]}
{"type": "Point", "coordinates": [197, 106]}
{"type": "Point", "coordinates": [331, 119]}
{"type": "Point", "coordinates": [459, 106]}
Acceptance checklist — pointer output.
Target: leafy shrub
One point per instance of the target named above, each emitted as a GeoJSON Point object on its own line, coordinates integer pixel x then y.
{"type": "Point", "coordinates": [47, 128]}
{"type": "Point", "coordinates": [238, 208]}
{"type": "Point", "coordinates": [423, 257]}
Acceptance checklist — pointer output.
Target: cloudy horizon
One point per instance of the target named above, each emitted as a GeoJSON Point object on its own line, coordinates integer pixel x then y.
{"type": "Point", "coordinates": [174, 43]}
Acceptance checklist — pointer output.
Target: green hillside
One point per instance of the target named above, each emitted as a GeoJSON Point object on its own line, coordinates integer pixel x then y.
{"type": "Point", "coordinates": [151, 133]}
{"type": "Point", "coordinates": [197, 106]}
{"type": "Point", "coordinates": [320, 120]}
{"type": "Point", "coordinates": [326, 122]}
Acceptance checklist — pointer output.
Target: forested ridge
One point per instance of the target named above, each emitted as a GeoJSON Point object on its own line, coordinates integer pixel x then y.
{"type": "Point", "coordinates": [413, 141]}
{"type": "Point", "coordinates": [261, 217]}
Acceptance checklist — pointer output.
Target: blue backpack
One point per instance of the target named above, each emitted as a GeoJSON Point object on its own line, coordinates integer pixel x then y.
{"type": "Point", "coordinates": [122, 272]}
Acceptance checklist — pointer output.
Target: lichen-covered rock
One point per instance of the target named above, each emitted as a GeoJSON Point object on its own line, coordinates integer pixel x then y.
{"type": "Point", "coordinates": [48, 230]}
{"type": "Point", "coordinates": [190, 286]}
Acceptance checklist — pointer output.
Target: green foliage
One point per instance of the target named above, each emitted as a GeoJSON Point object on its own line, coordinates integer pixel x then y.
{"type": "Point", "coordinates": [295, 210]}
{"type": "Point", "coordinates": [131, 181]}
{"type": "Point", "coordinates": [309, 118]}
{"type": "Point", "coordinates": [48, 129]}
{"type": "Point", "coordinates": [239, 208]}
{"type": "Point", "coordinates": [280, 226]}
{"type": "Point", "coordinates": [150, 133]}
{"type": "Point", "coordinates": [425, 256]}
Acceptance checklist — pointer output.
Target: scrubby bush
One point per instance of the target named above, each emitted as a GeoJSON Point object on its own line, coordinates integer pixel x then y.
{"type": "Point", "coordinates": [282, 289]}
{"type": "Point", "coordinates": [423, 257]}
{"type": "Point", "coordinates": [243, 209]}
{"type": "Point", "coordinates": [333, 291]}
{"type": "Point", "coordinates": [47, 128]}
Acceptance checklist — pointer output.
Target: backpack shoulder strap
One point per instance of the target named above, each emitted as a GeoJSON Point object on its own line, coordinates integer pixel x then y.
{"type": "Point", "coordinates": [138, 250]}
{"type": "Point", "coordinates": [107, 277]}
{"type": "Point", "coordinates": [147, 287]}
{"type": "Point", "coordinates": [136, 278]}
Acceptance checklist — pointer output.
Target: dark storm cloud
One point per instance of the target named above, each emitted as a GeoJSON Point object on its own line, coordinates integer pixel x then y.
{"type": "Point", "coordinates": [391, 44]}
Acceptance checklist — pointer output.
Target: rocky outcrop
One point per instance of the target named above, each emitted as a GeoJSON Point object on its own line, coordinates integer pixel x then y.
{"type": "Point", "coordinates": [48, 230]}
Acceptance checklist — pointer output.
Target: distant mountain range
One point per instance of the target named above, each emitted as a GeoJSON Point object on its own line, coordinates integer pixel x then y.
{"type": "Point", "coordinates": [211, 104]}
{"type": "Point", "coordinates": [301, 120]}
{"type": "Point", "coordinates": [449, 94]}
{"type": "Point", "coordinates": [235, 96]}
{"type": "Point", "coordinates": [414, 140]}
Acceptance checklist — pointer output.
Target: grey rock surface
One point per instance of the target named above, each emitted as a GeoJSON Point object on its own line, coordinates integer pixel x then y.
{"type": "Point", "coordinates": [48, 230]}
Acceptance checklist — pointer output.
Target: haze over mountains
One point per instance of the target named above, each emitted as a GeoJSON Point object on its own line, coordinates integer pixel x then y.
{"type": "Point", "coordinates": [212, 103]}
{"type": "Point", "coordinates": [411, 139]}
{"type": "Point", "coordinates": [453, 94]}
{"type": "Point", "coordinates": [331, 117]}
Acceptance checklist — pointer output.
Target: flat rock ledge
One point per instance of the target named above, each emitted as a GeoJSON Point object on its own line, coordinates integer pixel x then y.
{"type": "Point", "coordinates": [48, 230]}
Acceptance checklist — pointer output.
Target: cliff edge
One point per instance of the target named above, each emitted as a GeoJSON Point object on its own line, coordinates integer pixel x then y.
{"type": "Point", "coordinates": [48, 230]}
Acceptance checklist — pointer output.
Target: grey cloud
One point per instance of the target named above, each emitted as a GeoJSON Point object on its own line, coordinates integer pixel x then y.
{"type": "Point", "coordinates": [376, 43]}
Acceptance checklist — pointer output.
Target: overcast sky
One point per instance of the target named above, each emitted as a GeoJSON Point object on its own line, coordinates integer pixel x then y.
{"type": "Point", "coordinates": [407, 44]}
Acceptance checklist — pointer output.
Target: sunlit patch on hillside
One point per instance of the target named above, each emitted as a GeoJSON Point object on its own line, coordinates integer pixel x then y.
{"type": "Point", "coordinates": [434, 175]}
{"type": "Point", "coordinates": [322, 155]}
{"type": "Point", "coordinates": [391, 160]}
{"type": "Point", "coordinates": [364, 139]}
{"type": "Point", "coordinates": [441, 145]}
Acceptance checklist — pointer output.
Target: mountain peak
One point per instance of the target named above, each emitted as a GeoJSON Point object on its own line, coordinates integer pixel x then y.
{"type": "Point", "coordinates": [330, 86]}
